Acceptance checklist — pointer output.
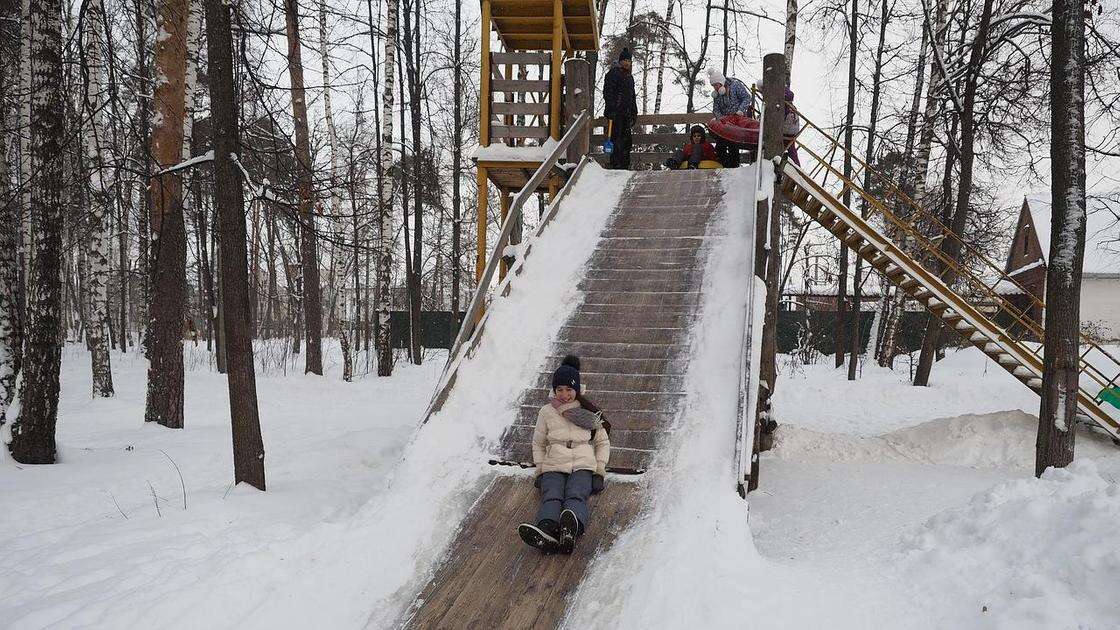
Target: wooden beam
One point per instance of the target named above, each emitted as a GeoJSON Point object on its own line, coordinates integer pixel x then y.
{"type": "Point", "coordinates": [557, 58]}
{"type": "Point", "coordinates": [484, 106]}
{"type": "Point", "coordinates": [524, 109]}
{"type": "Point", "coordinates": [503, 202]}
{"type": "Point", "coordinates": [515, 131]}
{"type": "Point", "coordinates": [483, 202]}
{"type": "Point", "coordinates": [521, 58]}
{"type": "Point", "coordinates": [520, 85]}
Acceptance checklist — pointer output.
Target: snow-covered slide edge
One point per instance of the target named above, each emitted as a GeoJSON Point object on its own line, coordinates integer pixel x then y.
{"type": "Point", "coordinates": [444, 469]}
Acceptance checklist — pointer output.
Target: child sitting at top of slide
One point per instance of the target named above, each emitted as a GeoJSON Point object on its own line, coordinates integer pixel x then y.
{"type": "Point", "coordinates": [696, 150]}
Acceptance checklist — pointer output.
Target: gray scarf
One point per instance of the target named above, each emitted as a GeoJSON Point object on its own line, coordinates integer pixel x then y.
{"type": "Point", "coordinates": [577, 415]}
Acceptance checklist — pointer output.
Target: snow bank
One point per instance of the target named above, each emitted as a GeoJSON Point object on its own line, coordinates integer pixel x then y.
{"type": "Point", "coordinates": [819, 397]}
{"type": "Point", "coordinates": [1003, 439]}
{"type": "Point", "coordinates": [445, 467]}
{"type": "Point", "coordinates": [1035, 553]}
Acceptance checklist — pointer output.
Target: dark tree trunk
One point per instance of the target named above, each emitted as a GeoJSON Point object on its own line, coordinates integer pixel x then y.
{"type": "Point", "coordinates": [33, 430]}
{"type": "Point", "coordinates": [1060, 357]}
{"type": "Point", "coordinates": [854, 333]}
{"type": "Point", "coordinates": [229, 204]}
{"type": "Point", "coordinates": [849, 120]}
{"type": "Point", "coordinates": [309, 256]}
{"type": "Point", "coordinates": [169, 246]}
{"type": "Point", "coordinates": [412, 71]}
{"type": "Point", "coordinates": [456, 170]}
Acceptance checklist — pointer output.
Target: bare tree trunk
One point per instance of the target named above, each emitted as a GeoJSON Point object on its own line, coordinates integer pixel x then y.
{"type": "Point", "coordinates": [229, 204]}
{"type": "Point", "coordinates": [102, 182]}
{"type": "Point", "coordinates": [456, 170]}
{"type": "Point", "coordinates": [914, 173]}
{"type": "Point", "coordinates": [143, 217]}
{"type": "Point", "coordinates": [951, 247]}
{"type": "Point", "coordinates": [696, 68]}
{"type": "Point", "coordinates": [849, 121]}
{"type": "Point", "coordinates": [33, 415]}
{"type": "Point", "coordinates": [338, 260]}
{"type": "Point", "coordinates": [412, 66]}
{"type": "Point", "coordinates": [856, 348]}
{"type": "Point", "coordinates": [309, 256]}
{"type": "Point", "coordinates": [791, 36]}
{"type": "Point", "coordinates": [169, 246]}
{"type": "Point", "coordinates": [1060, 360]}
{"type": "Point", "coordinates": [11, 338]}
{"type": "Point", "coordinates": [661, 62]}
{"type": "Point", "coordinates": [385, 196]}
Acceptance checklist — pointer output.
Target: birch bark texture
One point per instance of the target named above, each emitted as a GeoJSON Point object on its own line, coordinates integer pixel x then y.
{"type": "Point", "coordinates": [309, 255]}
{"type": "Point", "coordinates": [11, 338]}
{"type": "Point", "coordinates": [31, 433]}
{"type": "Point", "coordinates": [229, 202]}
{"type": "Point", "coordinates": [168, 256]}
{"type": "Point", "coordinates": [385, 195]}
{"type": "Point", "coordinates": [1060, 357]}
{"type": "Point", "coordinates": [102, 179]}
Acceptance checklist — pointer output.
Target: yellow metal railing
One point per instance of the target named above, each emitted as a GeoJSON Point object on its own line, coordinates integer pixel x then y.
{"type": "Point", "coordinates": [923, 236]}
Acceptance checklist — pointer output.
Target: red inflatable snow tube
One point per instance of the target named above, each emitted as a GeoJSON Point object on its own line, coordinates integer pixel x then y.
{"type": "Point", "coordinates": [735, 128]}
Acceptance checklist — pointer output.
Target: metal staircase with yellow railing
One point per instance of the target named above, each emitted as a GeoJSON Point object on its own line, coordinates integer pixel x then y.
{"type": "Point", "coordinates": [910, 249]}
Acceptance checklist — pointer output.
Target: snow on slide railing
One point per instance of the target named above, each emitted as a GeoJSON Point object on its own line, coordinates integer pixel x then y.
{"type": "Point", "coordinates": [472, 323]}
{"type": "Point", "coordinates": [750, 350]}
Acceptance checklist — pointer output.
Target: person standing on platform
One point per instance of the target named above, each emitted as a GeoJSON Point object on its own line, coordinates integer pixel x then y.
{"type": "Point", "coordinates": [621, 109]}
{"type": "Point", "coordinates": [730, 96]}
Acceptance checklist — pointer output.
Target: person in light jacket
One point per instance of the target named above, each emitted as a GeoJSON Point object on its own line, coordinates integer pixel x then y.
{"type": "Point", "coordinates": [730, 97]}
{"type": "Point", "coordinates": [571, 449]}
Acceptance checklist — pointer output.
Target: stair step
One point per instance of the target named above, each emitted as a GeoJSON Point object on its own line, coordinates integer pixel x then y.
{"type": "Point", "coordinates": [992, 348]}
{"type": "Point", "coordinates": [1023, 372]}
{"type": "Point", "coordinates": [619, 419]}
{"type": "Point", "coordinates": [1007, 359]}
{"type": "Point", "coordinates": [1035, 383]}
{"type": "Point", "coordinates": [621, 334]}
{"type": "Point", "coordinates": [607, 365]}
{"type": "Point", "coordinates": [964, 325]}
{"type": "Point", "coordinates": [616, 401]}
{"type": "Point", "coordinates": [585, 350]}
{"type": "Point", "coordinates": [977, 337]}
{"type": "Point", "coordinates": [611, 381]}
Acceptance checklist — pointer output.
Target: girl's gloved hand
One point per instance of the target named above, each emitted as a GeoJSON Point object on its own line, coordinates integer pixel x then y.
{"type": "Point", "coordinates": [597, 484]}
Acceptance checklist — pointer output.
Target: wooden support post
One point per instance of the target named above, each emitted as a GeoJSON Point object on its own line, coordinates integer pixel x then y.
{"type": "Point", "coordinates": [503, 198]}
{"type": "Point", "coordinates": [553, 188]}
{"type": "Point", "coordinates": [557, 59]}
{"type": "Point", "coordinates": [768, 231]}
{"type": "Point", "coordinates": [577, 97]}
{"type": "Point", "coordinates": [484, 93]}
{"type": "Point", "coordinates": [483, 201]}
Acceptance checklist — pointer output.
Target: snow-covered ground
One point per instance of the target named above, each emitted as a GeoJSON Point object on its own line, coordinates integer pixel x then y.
{"type": "Point", "coordinates": [85, 543]}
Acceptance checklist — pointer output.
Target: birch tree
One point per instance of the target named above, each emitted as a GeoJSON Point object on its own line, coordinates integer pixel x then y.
{"type": "Point", "coordinates": [849, 120]}
{"type": "Point", "coordinates": [11, 342]}
{"type": "Point", "coordinates": [309, 255]}
{"type": "Point", "coordinates": [102, 182]}
{"type": "Point", "coordinates": [385, 196]}
{"type": "Point", "coordinates": [338, 258]}
{"type": "Point", "coordinates": [168, 256]}
{"type": "Point", "coordinates": [31, 432]}
{"type": "Point", "coordinates": [1060, 354]}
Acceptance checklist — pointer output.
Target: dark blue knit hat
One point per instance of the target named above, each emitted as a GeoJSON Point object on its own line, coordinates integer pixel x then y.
{"type": "Point", "coordinates": [567, 374]}
{"type": "Point", "coordinates": [624, 55]}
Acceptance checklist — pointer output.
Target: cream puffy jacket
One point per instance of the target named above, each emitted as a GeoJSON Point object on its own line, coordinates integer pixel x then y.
{"type": "Point", "coordinates": [562, 446]}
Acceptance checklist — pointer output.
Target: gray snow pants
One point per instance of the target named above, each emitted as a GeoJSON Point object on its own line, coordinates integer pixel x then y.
{"type": "Point", "coordinates": [561, 491]}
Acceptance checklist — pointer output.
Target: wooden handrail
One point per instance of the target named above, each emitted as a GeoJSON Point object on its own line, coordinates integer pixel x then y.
{"type": "Point", "coordinates": [474, 312]}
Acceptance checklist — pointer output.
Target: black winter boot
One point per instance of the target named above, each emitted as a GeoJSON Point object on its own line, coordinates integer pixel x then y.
{"type": "Point", "coordinates": [569, 529]}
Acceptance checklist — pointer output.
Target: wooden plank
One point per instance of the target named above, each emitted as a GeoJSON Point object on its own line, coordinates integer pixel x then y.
{"type": "Point", "coordinates": [521, 58]}
{"type": "Point", "coordinates": [696, 118]}
{"type": "Point", "coordinates": [519, 85]}
{"type": "Point", "coordinates": [525, 109]}
{"type": "Point", "coordinates": [518, 131]}
{"type": "Point", "coordinates": [492, 580]}
{"type": "Point", "coordinates": [672, 139]}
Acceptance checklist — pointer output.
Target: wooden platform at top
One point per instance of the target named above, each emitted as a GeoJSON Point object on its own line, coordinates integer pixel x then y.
{"type": "Point", "coordinates": [513, 175]}
{"type": "Point", "coordinates": [641, 290]}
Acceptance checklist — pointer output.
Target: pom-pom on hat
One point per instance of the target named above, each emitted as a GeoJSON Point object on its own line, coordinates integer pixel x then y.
{"type": "Point", "coordinates": [624, 55]}
{"type": "Point", "coordinates": [567, 375]}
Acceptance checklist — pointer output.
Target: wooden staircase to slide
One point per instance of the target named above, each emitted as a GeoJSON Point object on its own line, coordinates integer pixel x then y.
{"type": "Point", "coordinates": [909, 244]}
{"type": "Point", "coordinates": [641, 289]}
